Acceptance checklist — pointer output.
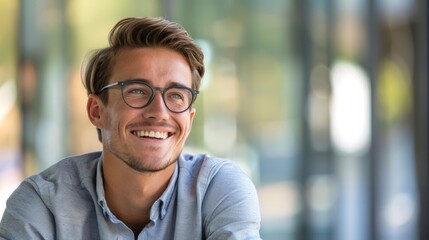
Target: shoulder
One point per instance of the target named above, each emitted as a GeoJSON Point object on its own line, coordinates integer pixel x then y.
{"type": "Point", "coordinates": [71, 171]}
{"type": "Point", "coordinates": [74, 163]}
{"type": "Point", "coordinates": [206, 167]}
{"type": "Point", "coordinates": [67, 180]}
{"type": "Point", "coordinates": [64, 187]}
{"type": "Point", "coordinates": [229, 200]}
{"type": "Point", "coordinates": [67, 169]}
{"type": "Point", "coordinates": [213, 174]}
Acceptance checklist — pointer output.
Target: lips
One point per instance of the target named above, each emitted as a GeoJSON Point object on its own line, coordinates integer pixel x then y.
{"type": "Point", "coordinates": [151, 134]}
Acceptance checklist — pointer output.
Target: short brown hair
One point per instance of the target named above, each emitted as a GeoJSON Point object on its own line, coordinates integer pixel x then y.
{"type": "Point", "coordinates": [137, 33]}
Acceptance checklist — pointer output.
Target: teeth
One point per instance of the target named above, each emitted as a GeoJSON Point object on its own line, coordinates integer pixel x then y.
{"type": "Point", "coordinates": [152, 134]}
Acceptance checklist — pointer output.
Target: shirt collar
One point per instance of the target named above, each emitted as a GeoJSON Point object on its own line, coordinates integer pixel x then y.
{"type": "Point", "coordinates": [99, 187]}
{"type": "Point", "coordinates": [166, 197]}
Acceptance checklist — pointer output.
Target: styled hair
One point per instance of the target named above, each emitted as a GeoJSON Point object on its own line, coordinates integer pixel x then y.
{"type": "Point", "coordinates": [140, 33]}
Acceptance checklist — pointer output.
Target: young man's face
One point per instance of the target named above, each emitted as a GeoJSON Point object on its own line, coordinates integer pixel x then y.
{"type": "Point", "coordinates": [121, 125]}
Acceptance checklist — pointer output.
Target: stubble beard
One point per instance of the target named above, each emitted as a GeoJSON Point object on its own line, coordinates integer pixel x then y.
{"type": "Point", "coordinates": [139, 164]}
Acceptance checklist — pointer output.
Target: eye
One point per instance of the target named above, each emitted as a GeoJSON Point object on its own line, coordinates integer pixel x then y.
{"type": "Point", "coordinates": [138, 91]}
{"type": "Point", "coordinates": [176, 94]}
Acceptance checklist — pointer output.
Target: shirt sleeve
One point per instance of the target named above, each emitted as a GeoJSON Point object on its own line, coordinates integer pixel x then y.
{"type": "Point", "coordinates": [26, 216]}
{"type": "Point", "coordinates": [231, 207]}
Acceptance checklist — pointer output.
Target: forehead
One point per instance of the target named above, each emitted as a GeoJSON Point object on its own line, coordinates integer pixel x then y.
{"type": "Point", "coordinates": [158, 66]}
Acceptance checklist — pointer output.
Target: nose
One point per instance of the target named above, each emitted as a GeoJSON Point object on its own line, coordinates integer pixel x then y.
{"type": "Point", "coordinates": [156, 108]}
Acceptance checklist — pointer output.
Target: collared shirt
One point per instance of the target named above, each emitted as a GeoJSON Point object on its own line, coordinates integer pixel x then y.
{"type": "Point", "coordinates": [206, 198]}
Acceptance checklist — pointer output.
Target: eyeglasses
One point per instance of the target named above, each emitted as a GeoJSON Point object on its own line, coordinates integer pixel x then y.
{"type": "Point", "coordinates": [138, 94]}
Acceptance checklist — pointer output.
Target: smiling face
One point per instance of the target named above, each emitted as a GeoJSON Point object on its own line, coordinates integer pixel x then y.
{"type": "Point", "coordinates": [151, 138]}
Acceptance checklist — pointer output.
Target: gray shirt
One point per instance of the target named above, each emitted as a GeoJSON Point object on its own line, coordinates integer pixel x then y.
{"type": "Point", "coordinates": [207, 198]}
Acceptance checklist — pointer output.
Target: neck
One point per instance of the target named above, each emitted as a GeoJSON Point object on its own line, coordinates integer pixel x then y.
{"type": "Point", "coordinates": [130, 194]}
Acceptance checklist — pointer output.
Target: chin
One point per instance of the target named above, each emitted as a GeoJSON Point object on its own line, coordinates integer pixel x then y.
{"type": "Point", "coordinates": [144, 168]}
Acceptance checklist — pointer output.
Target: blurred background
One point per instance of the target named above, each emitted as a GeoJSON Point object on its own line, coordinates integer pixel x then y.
{"type": "Point", "coordinates": [323, 103]}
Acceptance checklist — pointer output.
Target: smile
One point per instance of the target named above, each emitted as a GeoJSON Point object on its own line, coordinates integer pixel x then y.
{"type": "Point", "coordinates": [151, 134]}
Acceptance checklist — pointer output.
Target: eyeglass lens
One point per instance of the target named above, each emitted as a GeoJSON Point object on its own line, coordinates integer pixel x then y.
{"type": "Point", "coordinates": [138, 95]}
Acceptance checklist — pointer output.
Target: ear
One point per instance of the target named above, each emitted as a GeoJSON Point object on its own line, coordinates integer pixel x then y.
{"type": "Point", "coordinates": [94, 108]}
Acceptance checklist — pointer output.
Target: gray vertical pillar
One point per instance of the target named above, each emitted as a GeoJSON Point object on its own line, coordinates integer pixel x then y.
{"type": "Point", "coordinates": [302, 26]}
{"type": "Point", "coordinates": [43, 77]}
{"type": "Point", "coordinates": [420, 117]}
{"type": "Point", "coordinates": [371, 65]}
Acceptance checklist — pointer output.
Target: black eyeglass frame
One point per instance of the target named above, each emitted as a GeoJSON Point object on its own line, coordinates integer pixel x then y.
{"type": "Point", "coordinates": [153, 89]}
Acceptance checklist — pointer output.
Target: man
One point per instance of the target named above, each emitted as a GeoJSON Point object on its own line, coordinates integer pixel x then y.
{"type": "Point", "coordinates": [140, 94]}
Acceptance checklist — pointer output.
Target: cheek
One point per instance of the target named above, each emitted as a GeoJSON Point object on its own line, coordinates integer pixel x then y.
{"type": "Point", "coordinates": [191, 118]}
{"type": "Point", "coordinates": [114, 119]}
{"type": "Point", "coordinates": [108, 119]}
{"type": "Point", "coordinates": [188, 123]}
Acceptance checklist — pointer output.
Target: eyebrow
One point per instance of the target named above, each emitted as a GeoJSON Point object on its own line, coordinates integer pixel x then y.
{"type": "Point", "coordinates": [171, 84]}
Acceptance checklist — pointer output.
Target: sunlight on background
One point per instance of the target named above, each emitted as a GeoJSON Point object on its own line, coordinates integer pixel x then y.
{"type": "Point", "coordinates": [10, 156]}
{"type": "Point", "coordinates": [350, 110]}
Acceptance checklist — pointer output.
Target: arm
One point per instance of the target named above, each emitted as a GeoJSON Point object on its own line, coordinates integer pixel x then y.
{"type": "Point", "coordinates": [26, 215]}
{"type": "Point", "coordinates": [231, 207]}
